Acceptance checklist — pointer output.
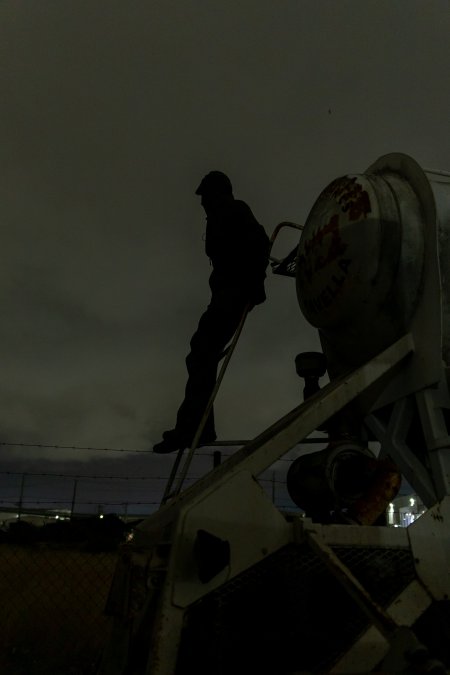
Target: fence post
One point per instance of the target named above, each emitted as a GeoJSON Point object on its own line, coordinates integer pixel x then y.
{"type": "Point", "coordinates": [74, 496]}
{"type": "Point", "coordinates": [20, 505]}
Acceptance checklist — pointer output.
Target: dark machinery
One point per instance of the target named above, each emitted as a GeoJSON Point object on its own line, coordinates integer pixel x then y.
{"type": "Point", "coordinates": [219, 581]}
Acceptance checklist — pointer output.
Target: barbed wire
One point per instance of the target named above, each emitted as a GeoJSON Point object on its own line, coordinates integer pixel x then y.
{"type": "Point", "coordinates": [69, 447]}
{"type": "Point", "coordinates": [199, 453]}
{"type": "Point", "coordinates": [55, 446]}
{"type": "Point", "coordinates": [78, 502]}
{"type": "Point", "coordinates": [92, 503]}
{"type": "Point", "coordinates": [100, 477]}
{"type": "Point", "coordinates": [81, 476]}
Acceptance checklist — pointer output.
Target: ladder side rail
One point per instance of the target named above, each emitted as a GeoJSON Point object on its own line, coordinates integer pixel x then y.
{"type": "Point", "coordinates": [172, 476]}
{"type": "Point", "coordinates": [201, 426]}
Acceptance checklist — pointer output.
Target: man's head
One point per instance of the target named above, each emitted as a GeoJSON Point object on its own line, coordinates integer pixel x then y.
{"type": "Point", "coordinates": [215, 189]}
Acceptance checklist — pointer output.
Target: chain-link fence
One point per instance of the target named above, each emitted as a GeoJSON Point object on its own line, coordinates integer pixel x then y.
{"type": "Point", "coordinates": [52, 619]}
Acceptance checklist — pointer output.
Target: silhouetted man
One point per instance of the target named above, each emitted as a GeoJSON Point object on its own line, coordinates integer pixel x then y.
{"type": "Point", "coordinates": [238, 249]}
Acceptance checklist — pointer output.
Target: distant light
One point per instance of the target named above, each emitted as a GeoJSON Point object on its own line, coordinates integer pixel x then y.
{"type": "Point", "coordinates": [101, 515]}
{"type": "Point", "coordinates": [391, 508]}
{"type": "Point", "coordinates": [57, 517]}
{"type": "Point", "coordinates": [412, 501]}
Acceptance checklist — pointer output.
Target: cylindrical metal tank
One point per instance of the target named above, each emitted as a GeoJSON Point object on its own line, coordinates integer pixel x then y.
{"type": "Point", "coordinates": [365, 254]}
{"type": "Point", "coordinates": [332, 478]}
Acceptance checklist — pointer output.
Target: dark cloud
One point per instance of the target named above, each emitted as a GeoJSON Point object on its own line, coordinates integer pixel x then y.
{"type": "Point", "coordinates": [111, 114]}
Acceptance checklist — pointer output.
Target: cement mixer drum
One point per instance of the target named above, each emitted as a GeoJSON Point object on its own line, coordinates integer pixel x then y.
{"type": "Point", "coordinates": [361, 258]}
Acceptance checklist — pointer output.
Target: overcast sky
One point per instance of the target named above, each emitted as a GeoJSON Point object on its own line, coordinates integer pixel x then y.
{"type": "Point", "coordinates": [111, 113]}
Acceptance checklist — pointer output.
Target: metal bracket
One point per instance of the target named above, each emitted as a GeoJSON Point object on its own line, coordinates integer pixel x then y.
{"type": "Point", "coordinates": [431, 404]}
{"type": "Point", "coordinates": [431, 477]}
{"type": "Point", "coordinates": [392, 439]}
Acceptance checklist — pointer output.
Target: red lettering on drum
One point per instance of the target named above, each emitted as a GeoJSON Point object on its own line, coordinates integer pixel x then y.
{"type": "Point", "coordinates": [328, 295]}
{"type": "Point", "coordinates": [312, 260]}
{"type": "Point", "coordinates": [350, 196]}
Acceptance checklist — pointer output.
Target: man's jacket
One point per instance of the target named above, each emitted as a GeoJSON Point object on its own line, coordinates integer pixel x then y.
{"type": "Point", "coordinates": [238, 248]}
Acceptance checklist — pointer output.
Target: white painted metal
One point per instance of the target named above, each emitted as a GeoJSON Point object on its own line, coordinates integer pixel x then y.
{"type": "Point", "coordinates": [392, 440]}
{"type": "Point", "coordinates": [165, 636]}
{"type": "Point", "coordinates": [440, 185]}
{"type": "Point", "coordinates": [240, 512]}
{"type": "Point", "coordinates": [355, 535]}
{"type": "Point", "coordinates": [430, 477]}
{"type": "Point", "coordinates": [431, 404]}
{"type": "Point", "coordinates": [430, 544]}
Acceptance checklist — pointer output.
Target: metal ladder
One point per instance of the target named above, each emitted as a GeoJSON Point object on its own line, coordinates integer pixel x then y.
{"type": "Point", "coordinates": [178, 475]}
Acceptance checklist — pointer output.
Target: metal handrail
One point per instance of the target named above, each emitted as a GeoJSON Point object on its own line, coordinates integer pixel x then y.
{"type": "Point", "coordinates": [278, 228]}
